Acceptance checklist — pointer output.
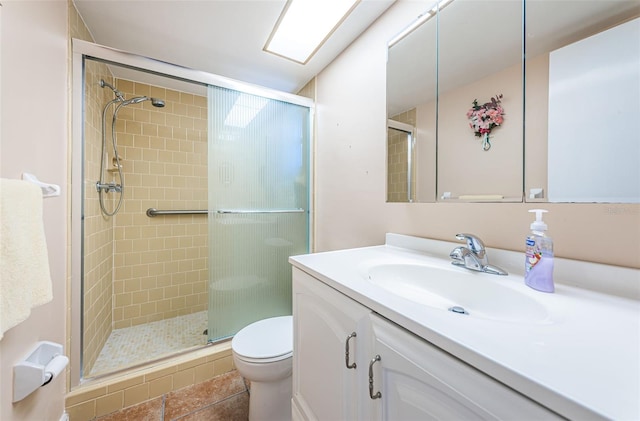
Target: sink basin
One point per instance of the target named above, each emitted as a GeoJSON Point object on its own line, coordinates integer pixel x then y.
{"type": "Point", "coordinates": [467, 293]}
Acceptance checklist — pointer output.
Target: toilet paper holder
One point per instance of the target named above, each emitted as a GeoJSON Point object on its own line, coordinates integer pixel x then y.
{"type": "Point", "coordinates": [44, 363]}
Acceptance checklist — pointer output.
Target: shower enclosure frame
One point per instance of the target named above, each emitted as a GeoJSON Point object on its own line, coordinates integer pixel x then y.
{"type": "Point", "coordinates": [83, 49]}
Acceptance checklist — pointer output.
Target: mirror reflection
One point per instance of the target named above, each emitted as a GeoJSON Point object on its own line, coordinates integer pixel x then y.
{"type": "Point", "coordinates": [401, 171]}
{"type": "Point", "coordinates": [477, 55]}
{"type": "Point", "coordinates": [480, 101]}
{"type": "Point", "coordinates": [582, 84]}
{"type": "Point", "coordinates": [411, 93]}
{"type": "Point", "coordinates": [441, 68]}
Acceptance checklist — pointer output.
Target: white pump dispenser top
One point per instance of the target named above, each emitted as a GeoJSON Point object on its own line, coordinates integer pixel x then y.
{"type": "Point", "coordinates": [538, 224]}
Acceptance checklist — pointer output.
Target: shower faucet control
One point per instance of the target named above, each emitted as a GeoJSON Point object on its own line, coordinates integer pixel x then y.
{"type": "Point", "coordinates": [108, 187]}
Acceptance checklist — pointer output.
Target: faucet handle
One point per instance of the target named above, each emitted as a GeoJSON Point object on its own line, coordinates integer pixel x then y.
{"type": "Point", "coordinates": [457, 254]}
{"type": "Point", "coordinates": [473, 243]}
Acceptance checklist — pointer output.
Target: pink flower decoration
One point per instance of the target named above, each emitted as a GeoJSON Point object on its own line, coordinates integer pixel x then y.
{"type": "Point", "coordinates": [484, 118]}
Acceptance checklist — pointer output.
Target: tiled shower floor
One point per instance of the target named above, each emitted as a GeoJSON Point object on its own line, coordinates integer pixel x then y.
{"type": "Point", "coordinates": [137, 344]}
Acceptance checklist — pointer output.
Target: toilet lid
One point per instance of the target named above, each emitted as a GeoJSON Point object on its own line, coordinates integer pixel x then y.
{"type": "Point", "coordinates": [264, 339]}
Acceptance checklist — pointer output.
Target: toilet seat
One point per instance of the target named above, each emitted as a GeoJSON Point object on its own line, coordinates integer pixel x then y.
{"type": "Point", "coordinates": [265, 341]}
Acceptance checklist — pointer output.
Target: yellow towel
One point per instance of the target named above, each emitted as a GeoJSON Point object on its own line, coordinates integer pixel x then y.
{"type": "Point", "coordinates": [25, 281]}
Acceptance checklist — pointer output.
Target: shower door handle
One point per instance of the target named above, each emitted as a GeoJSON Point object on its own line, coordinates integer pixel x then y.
{"type": "Point", "coordinates": [227, 211]}
{"type": "Point", "coordinates": [151, 212]}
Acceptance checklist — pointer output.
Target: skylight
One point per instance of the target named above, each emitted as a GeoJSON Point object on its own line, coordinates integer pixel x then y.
{"type": "Point", "coordinates": [244, 110]}
{"type": "Point", "coordinates": [305, 25]}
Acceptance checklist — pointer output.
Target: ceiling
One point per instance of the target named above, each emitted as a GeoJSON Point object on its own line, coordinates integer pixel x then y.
{"type": "Point", "coordinates": [223, 37]}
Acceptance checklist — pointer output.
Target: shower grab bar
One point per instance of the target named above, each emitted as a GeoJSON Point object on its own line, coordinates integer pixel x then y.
{"type": "Point", "coordinates": [151, 212]}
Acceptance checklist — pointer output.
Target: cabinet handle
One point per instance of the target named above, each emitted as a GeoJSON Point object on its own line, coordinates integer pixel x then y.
{"type": "Point", "coordinates": [378, 395]}
{"type": "Point", "coordinates": [346, 351]}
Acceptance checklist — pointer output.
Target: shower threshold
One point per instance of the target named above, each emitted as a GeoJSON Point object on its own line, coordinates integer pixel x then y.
{"type": "Point", "coordinates": [139, 344]}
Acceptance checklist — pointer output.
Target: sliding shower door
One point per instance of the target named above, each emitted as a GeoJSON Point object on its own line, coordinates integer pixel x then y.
{"type": "Point", "coordinates": [258, 206]}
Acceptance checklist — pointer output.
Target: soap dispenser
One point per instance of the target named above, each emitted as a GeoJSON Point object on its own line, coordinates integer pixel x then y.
{"type": "Point", "coordinates": [538, 270]}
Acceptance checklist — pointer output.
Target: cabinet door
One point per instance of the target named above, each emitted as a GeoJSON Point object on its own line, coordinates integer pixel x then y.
{"type": "Point", "coordinates": [323, 387]}
{"type": "Point", "coordinates": [419, 381]}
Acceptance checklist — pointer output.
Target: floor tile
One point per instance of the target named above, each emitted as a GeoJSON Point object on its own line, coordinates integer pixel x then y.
{"type": "Point", "coordinates": [138, 344]}
{"type": "Point", "coordinates": [192, 398]}
{"type": "Point", "coordinates": [234, 408]}
{"type": "Point", "coordinates": [147, 411]}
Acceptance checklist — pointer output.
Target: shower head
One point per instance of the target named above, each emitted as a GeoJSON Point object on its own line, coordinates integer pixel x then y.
{"type": "Point", "coordinates": [157, 102]}
{"type": "Point", "coordinates": [154, 101]}
{"type": "Point", "coordinates": [115, 91]}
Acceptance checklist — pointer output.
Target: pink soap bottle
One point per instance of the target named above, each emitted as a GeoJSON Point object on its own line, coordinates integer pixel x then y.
{"type": "Point", "coordinates": [538, 268]}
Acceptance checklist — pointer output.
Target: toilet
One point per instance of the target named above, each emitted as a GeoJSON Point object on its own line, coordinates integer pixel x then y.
{"type": "Point", "coordinates": [262, 353]}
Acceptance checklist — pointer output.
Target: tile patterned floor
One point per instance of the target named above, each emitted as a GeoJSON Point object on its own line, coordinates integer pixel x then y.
{"type": "Point", "coordinates": [222, 398]}
{"type": "Point", "coordinates": [138, 344]}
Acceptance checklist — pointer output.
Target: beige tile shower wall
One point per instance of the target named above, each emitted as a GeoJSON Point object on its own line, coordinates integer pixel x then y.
{"type": "Point", "coordinates": [397, 164]}
{"type": "Point", "coordinates": [160, 263]}
{"type": "Point", "coordinates": [98, 229]}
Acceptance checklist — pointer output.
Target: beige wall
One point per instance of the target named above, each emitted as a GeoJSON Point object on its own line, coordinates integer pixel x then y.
{"type": "Point", "coordinates": [161, 263]}
{"type": "Point", "coordinates": [33, 138]}
{"type": "Point", "coordinates": [463, 166]}
{"type": "Point", "coordinates": [351, 146]}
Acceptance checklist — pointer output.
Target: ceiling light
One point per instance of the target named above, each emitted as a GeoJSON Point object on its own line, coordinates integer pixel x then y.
{"type": "Point", "coordinates": [412, 27]}
{"type": "Point", "coordinates": [419, 21]}
{"type": "Point", "coordinates": [305, 25]}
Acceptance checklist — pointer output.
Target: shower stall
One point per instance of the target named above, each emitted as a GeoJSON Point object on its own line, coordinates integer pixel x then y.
{"type": "Point", "coordinates": [195, 193]}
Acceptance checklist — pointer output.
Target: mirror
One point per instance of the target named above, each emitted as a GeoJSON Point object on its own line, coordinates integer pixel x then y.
{"type": "Point", "coordinates": [411, 93]}
{"type": "Point", "coordinates": [582, 84]}
{"type": "Point", "coordinates": [480, 62]}
{"type": "Point", "coordinates": [497, 174]}
{"type": "Point", "coordinates": [438, 69]}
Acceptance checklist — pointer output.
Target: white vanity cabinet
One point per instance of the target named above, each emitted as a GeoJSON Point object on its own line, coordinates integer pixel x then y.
{"type": "Point", "coordinates": [414, 379]}
{"type": "Point", "coordinates": [324, 322]}
{"type": "Point", "coordinates": [419, 381]}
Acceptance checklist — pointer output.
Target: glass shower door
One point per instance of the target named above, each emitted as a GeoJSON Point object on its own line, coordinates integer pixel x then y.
{"type": "Point", "coordinates": [258, 206]}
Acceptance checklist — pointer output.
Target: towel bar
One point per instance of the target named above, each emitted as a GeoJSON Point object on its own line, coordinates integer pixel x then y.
{"type": "Point", "coordinates": [48, 190]}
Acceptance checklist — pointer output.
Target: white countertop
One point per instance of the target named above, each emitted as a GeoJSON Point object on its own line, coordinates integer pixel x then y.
{"type": "Point", "coordinates": [582, 362]}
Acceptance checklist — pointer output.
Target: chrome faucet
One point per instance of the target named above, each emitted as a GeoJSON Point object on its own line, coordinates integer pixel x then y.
{"type": "Point", "coordinates": [473, 256]}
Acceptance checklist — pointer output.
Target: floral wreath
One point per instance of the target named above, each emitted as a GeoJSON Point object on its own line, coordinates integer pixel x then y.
{"type": "Point", "coordinates": [484, 118]}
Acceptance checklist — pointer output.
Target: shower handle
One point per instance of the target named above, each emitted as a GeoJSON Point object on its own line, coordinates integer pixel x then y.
{"type": "Point", "coordinates": [108, 187]}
